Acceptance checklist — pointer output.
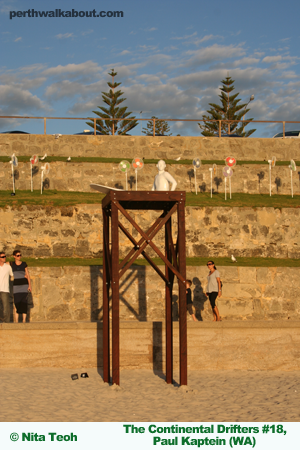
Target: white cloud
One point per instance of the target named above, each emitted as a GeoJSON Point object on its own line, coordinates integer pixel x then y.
{"type": "Point", "coordinates": [124, 52]}
{"type": "Point", "coordinates": [164, 99]}
{"type": "Point", "coordinates": [149, 78]}
{"type": "Point", "coordinates": [64, 36]}
{"type": "Point", "coordinates": [63, 89]}
{"type": "Point", "coordinates": [33, 68]}
{"type": "Point", "coordinates": [7, 6]}
{"type": "Point", "coordinates": [288, 74]}
{"type": "Point", "coordinates": [84, 33]}
{"type": "Point", "coordinates": [208, 37]}
{"type": "Point", "coordinates": [271, 59]}
{"type": "Point", "coordinates": [125, 71]}
{"type": "Point", "coordinates": [86, 68]}
{"type": "Point", "coordinates": [286, 111]}
{"type": "Point", "coordinates": [19, 81]}
{"type": "Point", "coordinates": [245, 61]}
{"type": "Point", "coordinates": [15, 100]}
{"type": "Point", "coordinates": [281, 66]}
{"type": "Point", "coordinates": [33, 83]}
{"type": "Point", "coordinates": [18, 39]}
{"type": "Point", "coordinates": [179, 38]}
{"type": "Point", "coordinates": [148, 47]}
{"type": "Point", "coordinates": [212, 54]}
{"type": "Point", "coordinates": [199, 80]}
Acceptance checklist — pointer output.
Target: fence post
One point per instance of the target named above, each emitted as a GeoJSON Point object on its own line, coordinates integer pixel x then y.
{"type": "Point", "coordinates": [228, 127]}
{"type": "Point", "coordinates": [283, 126]}
{"type": "Point", "coordinates": [154, 127]}
{"type": "Point", "coordinates": [220, 121]}
{"type": "Point", "coordinates": [113, 128]}
{"type": "Point", "coordinates": [45, 125]}
{"type": "Point", "coordinates": [94, 127]}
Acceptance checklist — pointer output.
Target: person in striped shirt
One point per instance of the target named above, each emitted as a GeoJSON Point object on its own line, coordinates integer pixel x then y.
{"type": "Point", "coordinates": [21, 287]}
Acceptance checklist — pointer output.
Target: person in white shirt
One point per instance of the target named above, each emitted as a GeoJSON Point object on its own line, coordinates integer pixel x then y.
{"type": "Point", "coordinates": [5, 273]}
{"type": "Point", "coordinates": [213, 289]}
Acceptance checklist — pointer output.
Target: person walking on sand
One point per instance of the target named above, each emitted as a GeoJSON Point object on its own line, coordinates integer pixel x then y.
{"type": "Point", "coordinates": [213, 289]}
{"type": "Point", "coordinates": [5, 274]}
{"type": "Point", "coordinates": [22, 285]}
{"type": "Point", "coordinates": [189, 303]}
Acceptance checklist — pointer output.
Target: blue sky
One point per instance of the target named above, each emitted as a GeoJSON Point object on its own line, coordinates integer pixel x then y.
{"type": "Point", "coordinates": [170, 57]}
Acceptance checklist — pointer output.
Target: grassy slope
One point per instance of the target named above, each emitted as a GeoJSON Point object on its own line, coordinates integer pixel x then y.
{"type": "Point", "coordinates": [66, 198]}
{"type": "Point", "coordinates": [241, 262]}
{"type": "Point", "coordinates": [77, 159]}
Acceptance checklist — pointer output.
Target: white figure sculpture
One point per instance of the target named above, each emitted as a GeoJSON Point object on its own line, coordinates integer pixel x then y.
{"type": "Point", "coordinates": [162, 180]}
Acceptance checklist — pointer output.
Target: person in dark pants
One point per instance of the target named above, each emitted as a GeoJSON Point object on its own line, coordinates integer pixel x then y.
{"type": "Point", "coordinates": [189, 303]}
{"type": "Point", "coordinates": [5, 274]}
{"type": "Point", "coordinates": [213, 288]}
{"type": "Point", "coordinates": [22, 285]}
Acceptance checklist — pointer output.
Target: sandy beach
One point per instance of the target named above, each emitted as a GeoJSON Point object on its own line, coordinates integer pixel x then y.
{"type": "Point", "coordinates": [51, 395]}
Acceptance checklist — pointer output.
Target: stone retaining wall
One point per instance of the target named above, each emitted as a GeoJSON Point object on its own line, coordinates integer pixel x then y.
{"type": "Point", "coordinates": [249, 293]}
{"type": "Point", "coordinates": [150, 147]}
{"type": "Point", "coordinates": [68, 176]}
{"type": "Point", "coordinates": [77, 231]}
{"type": "Point", "coordinates": [211, 346]}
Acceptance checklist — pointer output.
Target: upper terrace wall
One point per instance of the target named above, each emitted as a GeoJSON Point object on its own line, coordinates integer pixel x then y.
{"type": "Point", "coordinates": [150, 147]}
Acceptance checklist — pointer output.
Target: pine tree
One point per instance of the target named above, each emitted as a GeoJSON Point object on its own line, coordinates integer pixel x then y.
{"type": "Point", "coordinates": [228, 110]}
{"type": "Point", "coordinates": [113, 100]}
{"type": "Point", "coordinates": [161, 128]}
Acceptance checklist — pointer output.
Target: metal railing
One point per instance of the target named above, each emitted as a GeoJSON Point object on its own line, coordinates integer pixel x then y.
{"type": "Point", "coordinates": [94, 120]}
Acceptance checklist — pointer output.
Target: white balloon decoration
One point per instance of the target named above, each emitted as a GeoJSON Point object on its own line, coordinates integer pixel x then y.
{"type": "Point", "coordinates": [227, 172]}
{"type": "Point", "coordinates": [272, 163]}
{"type": "Point", "coordinates": [292, 168]}
{"type": "Point", "coordinates": [14, 164]}
{"type": "Point", "coordinates": [197, 165]}
{"type": "Point", "coordinates": [124, 166]}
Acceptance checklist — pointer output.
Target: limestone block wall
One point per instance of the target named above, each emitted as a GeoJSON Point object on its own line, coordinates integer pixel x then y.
{"type": "Point", "coordinates": [68, 176]}
{"type": "Point", "coordinates": [210, 345]}
{"type": "Point", "coordinates": [150, 147]}
{"type": "Point", "coordinates": [77, 231]}
{"type": "Point", "coordinates": [249, 293]}
{"type": "Point", "coordinates": [265, 232]}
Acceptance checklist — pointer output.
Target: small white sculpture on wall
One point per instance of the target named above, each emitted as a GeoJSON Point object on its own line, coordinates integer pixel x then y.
{"type": "Point", "coordinates": [162, 180]}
